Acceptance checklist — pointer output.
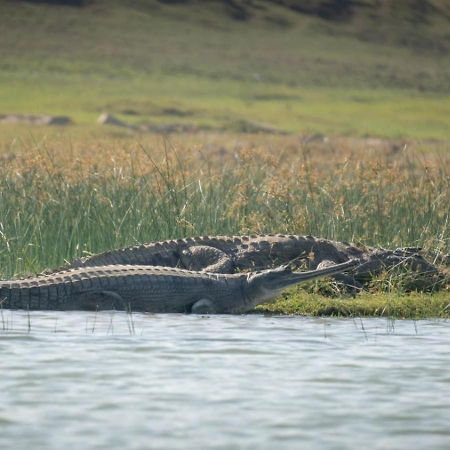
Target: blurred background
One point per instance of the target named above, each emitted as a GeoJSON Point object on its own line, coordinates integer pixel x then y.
{"type": "Point", "coordinates": [343, 67]}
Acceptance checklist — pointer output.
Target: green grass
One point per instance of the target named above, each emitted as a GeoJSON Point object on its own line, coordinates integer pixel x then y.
{"type": "Point", "coordinates": [411, 306]}
{"type": "Point", "coordinates": [52, 213]}
{"type": "Point", "coordinates": [223, 103]}
{"type": "Point", "coordinates": [54, 210]}
{"type": "Point", "coordinates": [308, 76]}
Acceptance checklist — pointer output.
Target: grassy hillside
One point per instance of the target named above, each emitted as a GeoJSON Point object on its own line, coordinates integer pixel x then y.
{"type": "Point", "coordinates": [364, 70]}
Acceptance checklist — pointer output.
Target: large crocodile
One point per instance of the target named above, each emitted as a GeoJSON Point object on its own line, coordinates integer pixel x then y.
{"type": "Point", "coordinates": [232, 254]}
{"type": "Point", "coordinates": [153, 289]}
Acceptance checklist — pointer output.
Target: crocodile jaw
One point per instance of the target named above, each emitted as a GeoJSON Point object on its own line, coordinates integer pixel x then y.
{"type": "Point", "coordinates": [265, 286]}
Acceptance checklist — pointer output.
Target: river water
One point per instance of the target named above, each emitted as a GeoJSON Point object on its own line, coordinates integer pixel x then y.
{"type": "Point", "coordinates": [119, 381]}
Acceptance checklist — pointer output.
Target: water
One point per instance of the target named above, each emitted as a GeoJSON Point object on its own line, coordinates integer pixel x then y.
{"type": "Point", "coordinates": [111, 380]}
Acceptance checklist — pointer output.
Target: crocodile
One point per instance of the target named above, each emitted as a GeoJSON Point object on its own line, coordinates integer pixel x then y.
{"type": "Point", "coordinates": [154, 289]}
{"type": "Point", "coordinates": [234, 254]}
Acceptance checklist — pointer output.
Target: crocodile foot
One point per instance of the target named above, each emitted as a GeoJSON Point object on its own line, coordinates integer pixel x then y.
{"type": "Point", "coordinates": [203, 306]}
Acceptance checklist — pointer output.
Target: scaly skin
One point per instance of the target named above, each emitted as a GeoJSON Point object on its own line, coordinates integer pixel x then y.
{"type": "Point", "coordinates": [153, 289]}
{"type": "Point", "coordinates": [223, 254]}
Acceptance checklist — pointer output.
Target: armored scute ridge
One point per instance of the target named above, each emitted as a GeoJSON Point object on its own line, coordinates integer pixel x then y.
{"type": "Point", "coordinates": [153, 289]}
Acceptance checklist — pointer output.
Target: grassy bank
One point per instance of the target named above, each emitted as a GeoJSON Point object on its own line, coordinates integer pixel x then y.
{"type": "Point", "coordinates": [396, 306]}
{"type": "Point", "coordinates": [59, 205]}
{"type": "Point", "coordinates": [60, 202]}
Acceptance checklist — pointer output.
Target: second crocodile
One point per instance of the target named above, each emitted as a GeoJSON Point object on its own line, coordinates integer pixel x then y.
{"type": "Point", "coordinates": [232, 254]}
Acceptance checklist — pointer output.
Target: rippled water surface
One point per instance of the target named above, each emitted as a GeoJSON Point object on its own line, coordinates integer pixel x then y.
{"type": "Point", "coordinates": [111, 380]}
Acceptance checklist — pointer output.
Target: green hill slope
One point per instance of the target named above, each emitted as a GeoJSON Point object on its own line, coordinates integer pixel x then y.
{"type": "Point", "coordinates": [335, 67]}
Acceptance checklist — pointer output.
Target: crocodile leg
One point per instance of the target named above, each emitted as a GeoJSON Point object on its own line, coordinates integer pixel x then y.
{"type": "Point", "coordinates": [207, 259]}
{"type": "Point", "coordinates": [100, 300]}
{"type": "Point", "coordinates": [203, 306]}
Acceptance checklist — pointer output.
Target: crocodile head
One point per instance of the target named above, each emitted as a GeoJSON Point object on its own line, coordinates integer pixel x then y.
{"type": "Point", "coordinates": [263, 286]}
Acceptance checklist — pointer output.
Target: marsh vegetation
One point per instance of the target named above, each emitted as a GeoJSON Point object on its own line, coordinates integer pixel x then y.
{"type": "Point", "coordinates": [58, 206]}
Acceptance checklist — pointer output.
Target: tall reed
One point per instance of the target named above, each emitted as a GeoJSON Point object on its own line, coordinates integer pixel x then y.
{"type": "Point", "coordinates": [51, 212]}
